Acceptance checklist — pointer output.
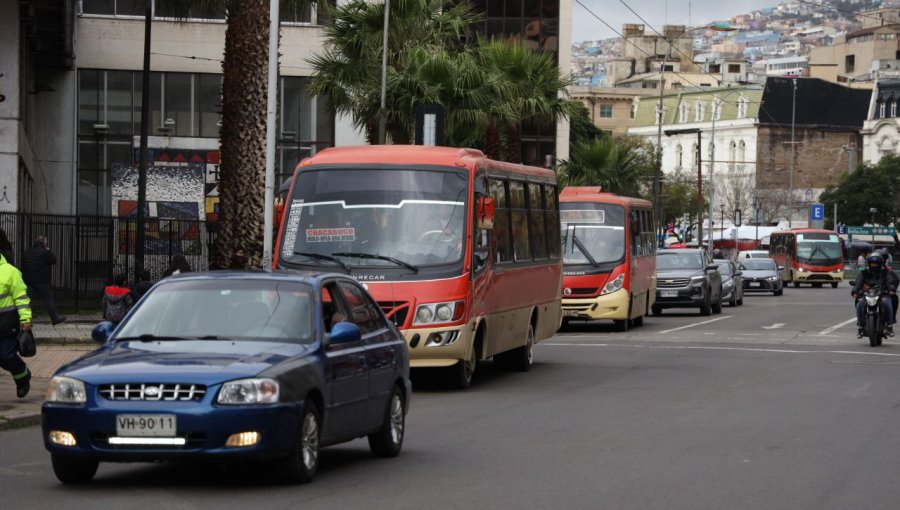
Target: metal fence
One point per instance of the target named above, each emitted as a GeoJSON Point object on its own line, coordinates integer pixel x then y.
{"type": "Point", "coordinates": [90, 250]}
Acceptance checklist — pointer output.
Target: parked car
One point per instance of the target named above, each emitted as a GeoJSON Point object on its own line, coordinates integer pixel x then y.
{"type": "Point", "coordinates": [753, 254]}
{"type": "Point", "coordinates": [687, 278]}
{"type": "Point", "coordinates": [233, 366]}
{"type": "Point", "coordinates": [732, 283]}
{"type": "Point", "coordinates": [762, 275]}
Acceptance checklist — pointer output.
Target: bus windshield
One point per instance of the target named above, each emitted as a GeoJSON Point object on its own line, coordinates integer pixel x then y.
{"type": "Point", "coordinates": [592, 233]}
{"type": "Point", "coordinates": [819, 249]}
{"type": "Point", "coordinates": [376, 217]}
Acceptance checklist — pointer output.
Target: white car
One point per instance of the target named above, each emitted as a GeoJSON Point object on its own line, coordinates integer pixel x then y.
{"type": "Point", "coordinates": [753, 254]}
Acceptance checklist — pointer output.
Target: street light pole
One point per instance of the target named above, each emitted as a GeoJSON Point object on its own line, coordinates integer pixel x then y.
{"type": "Point", "coordinates": [657, 178]}
{"type": "Point", "coordinates": [382, 119]}
{"type": "Point", "coordinates": [791, 174]}
{"type": "Point", "coordinates": [145, 131]}
{"type": "Point", "coordinates": [272, 103]}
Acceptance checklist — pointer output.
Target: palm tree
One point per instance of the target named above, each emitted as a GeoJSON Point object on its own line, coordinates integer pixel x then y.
{"type": "Point", "coordinates": [346, 73]}
{"type": "Point", "coordinates": [620, 166]}
{"type": "Point", "coordinates": [243, 134]}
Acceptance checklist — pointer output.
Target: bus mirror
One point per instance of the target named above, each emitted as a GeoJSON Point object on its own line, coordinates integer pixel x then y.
{"type": "Point", "coordinates": [486, 213]}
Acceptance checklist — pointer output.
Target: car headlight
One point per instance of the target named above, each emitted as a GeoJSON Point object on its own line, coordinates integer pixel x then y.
{"type": "Point", "coordinates": [249, 391]}
{"type": "Point", "coordinates": [697, 280]}
{"type": "Point", "coordinates": [437, 313]}
{"type": "Point", "coordinates": [801, 270]}
{"type": "Point", "coordinates": [772, 278]}
{"type": "Point", "coordinates": [614, 285]}
{"type": "Point", "coordinates": [66, 390]}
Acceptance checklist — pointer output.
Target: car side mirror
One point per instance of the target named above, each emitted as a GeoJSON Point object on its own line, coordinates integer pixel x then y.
{"type": "Point", "coordinates": [781, 268]}
{"type": "Point", "coordinates": [486, 213]}
{"type": "Point", "coordinates": [102, 331]}
{"type": "Point", "coordinates": [712, 267]}
{"type": "Point", "coordinates": [344, 332]}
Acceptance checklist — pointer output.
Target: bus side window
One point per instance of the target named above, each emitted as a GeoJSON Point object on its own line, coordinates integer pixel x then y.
{"type": "Point", "coordinates": [519, 215]}
{"type": "Point", "coordinates": [635, 228]}
{"type": "Point", "coordinates": [481, 248]}
{"type": "Point", "coordinates": [501, 220]}
{"type": "Point", "coordinates": [536, 224]}
{"type": "Point", "coordinates": [554, 237]}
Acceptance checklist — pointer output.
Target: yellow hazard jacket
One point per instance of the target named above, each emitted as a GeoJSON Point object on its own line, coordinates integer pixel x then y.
{"type": "Point", "coordinates": [15, 307]}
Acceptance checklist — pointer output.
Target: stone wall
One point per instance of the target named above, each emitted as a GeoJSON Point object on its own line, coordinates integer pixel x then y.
{"type": "Point", "coordinates": [820, 158]}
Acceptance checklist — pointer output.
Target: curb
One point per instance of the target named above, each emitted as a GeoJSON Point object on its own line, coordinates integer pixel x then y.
{"type": "Point", "coordinates": [19, 422]}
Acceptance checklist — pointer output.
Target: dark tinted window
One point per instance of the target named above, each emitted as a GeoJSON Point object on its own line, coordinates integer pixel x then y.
{"type": "Point", "coordinates": [362, 310]}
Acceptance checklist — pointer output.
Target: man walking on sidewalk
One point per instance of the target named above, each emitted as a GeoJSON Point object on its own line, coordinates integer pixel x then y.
{"type": "Point", "coordinates": [36, 270]}
{"type": "Point", "coordinates": [15, 314]}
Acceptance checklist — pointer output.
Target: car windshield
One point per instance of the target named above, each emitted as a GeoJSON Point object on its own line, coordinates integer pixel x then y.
{"type": "Point", "coordinates": [819, 249]}
{"type": "Point", "coordinates": [758, 265]}
{"type": "Point", "coordinates": [725, 269]}
{"type": "Point", "coordinates": [227, 308]}
{"type": "Point", "coordinates": [677, 260]}
{"type": "Point", "coordinates": [376, 218]}
{"type": "Point", "coordinates": [592, 233]}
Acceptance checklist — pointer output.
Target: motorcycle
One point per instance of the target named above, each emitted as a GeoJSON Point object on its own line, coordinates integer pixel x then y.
{"type": "Point", "coordinates": [875, 320]}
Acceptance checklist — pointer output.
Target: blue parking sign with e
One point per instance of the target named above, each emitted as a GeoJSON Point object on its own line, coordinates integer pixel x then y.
{"type": "Point", "coordinates": [817, 212]}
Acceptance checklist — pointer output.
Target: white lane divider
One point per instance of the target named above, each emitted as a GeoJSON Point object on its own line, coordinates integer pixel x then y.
{"type": "Point", "coordinates": [777, 325]}
{"type": "Point", "coordinates": [696, 324]}
{"type": "Point", "coordinates": [713, 348]}
{"type": "Point", "coordinates": [836, 327]}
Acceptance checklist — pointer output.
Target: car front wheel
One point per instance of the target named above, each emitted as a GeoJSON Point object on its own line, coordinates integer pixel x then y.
{"type": "Point", "coordinates": [388, 441]}
{"type": "Point", "coordinates": [301, 465]}
{"type": "Point", "coordinates": [73, 470]}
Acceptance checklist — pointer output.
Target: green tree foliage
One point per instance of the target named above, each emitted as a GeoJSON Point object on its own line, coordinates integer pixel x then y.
{"type": "Point", "coordinates": [679, 197]}
{"type": "Point", "coordinates": [581, 129]}
{"type": "Point", "coordinates": [870, 186]}
{"type": "Point", "coordinates": [621, 165]}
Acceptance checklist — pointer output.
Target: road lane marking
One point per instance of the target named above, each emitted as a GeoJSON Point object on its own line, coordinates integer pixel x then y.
{"type": "Point", "coordinates": [836, 327]}
{"type": "Point", "coordinates": [695, 324]}
{"type": "Point", "coordinates": [698, 347]}
{"type": "Point", "coordinates": [774, 326]}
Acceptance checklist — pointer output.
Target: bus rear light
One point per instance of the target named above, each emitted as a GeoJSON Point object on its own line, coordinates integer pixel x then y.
{"type": "Point", "coordinates": [439, 313]}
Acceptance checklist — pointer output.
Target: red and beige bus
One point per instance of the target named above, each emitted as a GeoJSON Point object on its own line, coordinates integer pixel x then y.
{"type": "Point", "coordinates": [460, 251]}
{"type": "Point", "coordinates": [609, 256]}
{"type": "Point", "coordinates": [808, 255]}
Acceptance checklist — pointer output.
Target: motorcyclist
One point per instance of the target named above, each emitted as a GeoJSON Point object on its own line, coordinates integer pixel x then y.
{"type": "Point", "coordinates": [876, 273]}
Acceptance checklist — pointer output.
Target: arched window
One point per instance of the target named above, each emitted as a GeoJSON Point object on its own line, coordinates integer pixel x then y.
{"type": "Point", "coordinates": [717, 108]}
{"type": "Point", "coordinates": [742, 155]}
{"type": "Point", "coordinates": [694, 157]}
{"type": "Point", "coordinates": [732, 155]}
{"type": "Point", "coordinates": [881, 107]}
{"type": "Point", "coordinates": [698, 112]}
{"type": "Point", "coordinates": [679, 154]}
{"type": "Point", "coordinates": [742, 108]}
{"type": "Point", "coordinates": [893, 108]}
{"type": "Point", "coordinates": [683, 113]}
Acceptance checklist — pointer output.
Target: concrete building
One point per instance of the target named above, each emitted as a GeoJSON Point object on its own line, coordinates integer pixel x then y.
{"type": "Point", "coordinates": [849, 60]}
{"type": "Point", "coordinates": [880, 17]}
{"type": "Point", "coordinates": [611, 108]}
{"type": "Point", "coordinates": [646, 53]}
{"type": "Point", "coordinates": [752, 154]}
{"type": "Point", "coordinates": [881, 131]}
{"type": "Point", "coordinates": [786, 67]}
{"type": "Point", "coordinates": [70, 77]}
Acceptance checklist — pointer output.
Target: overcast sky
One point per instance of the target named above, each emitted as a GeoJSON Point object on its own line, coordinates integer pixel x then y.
{"type": "Point", "coordinates": [587, 27]}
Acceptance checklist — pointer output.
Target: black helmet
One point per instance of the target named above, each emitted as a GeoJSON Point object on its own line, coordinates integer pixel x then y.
{"type": "Point", "coordinates": [874, 262]}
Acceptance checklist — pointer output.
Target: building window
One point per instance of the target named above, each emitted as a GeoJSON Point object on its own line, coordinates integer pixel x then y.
{"type": "Point", "coordinates": [742, 154]}
{"type": "Point", "coordinates": [742, 108]}
{"type": "Point", "coordinates": [717, 108]}
{"type": "Point", "coordinates": [633, 110]}
{"type": "Point", "coordinates": [732, 155]}
{"type": "Point", "coordinates": [694, 154]}
{"type": "Point", "coordinates": [893, 109]}
{"type": "Point", "coordinates": [699, 112]}
{"type": "Point", "coordinates": [113, 7]}
{"type": "Point", "coordinates": [881, 109]}
{"type": "Point", "coordinates": [734, 68]}
{"type": "Point", "coordinates": [606, 110]}
{"type": "Point", "coordinates": [682, 113]}
{"type": "Point", "coordinates": [679, 155]}
{"type": "Point", "coordinates": [849, 63]}
{"type": "Point", "coordinates": [715, 68]}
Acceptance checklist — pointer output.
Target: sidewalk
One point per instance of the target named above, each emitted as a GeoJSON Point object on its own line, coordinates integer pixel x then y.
{"type": "Point", "coordinates": [15, 412]}
{"type": "Point", "coordinates": [64, 333]}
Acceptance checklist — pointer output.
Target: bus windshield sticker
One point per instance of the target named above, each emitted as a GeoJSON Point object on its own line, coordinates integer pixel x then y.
{"type": "Point", "coordinates": [583, 216]}
{"type": "Point", "coordinates": [330, 235]}
{"type": "Point", "coordinates": [817, 237]}
{"type": "Point", "coordinates": [290, 232]}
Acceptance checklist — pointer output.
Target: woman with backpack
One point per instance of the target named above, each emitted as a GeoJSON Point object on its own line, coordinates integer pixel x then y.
{"type": "Point", "coordinates": [117, 300]}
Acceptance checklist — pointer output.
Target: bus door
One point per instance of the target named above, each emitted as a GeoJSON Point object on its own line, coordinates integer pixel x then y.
{"type": "Point", "coordinates": [482, 218]}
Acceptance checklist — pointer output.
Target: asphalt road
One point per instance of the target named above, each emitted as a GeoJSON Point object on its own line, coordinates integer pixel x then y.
{"type": "Point", "coordinates": [771, 405]}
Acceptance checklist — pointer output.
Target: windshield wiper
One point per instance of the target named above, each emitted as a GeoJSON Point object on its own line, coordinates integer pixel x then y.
{"type": "Point", "coordinates": [577, 242]}
{"type": "Point", "coordinates": [362, 255]}
{"type": "Point", "coordinates": [319, 256]}
{"type": "Point", "coordinates": [153, 338]}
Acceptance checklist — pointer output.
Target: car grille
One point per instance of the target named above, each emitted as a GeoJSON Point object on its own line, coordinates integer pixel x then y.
{"type": "Point", "coordinates": [672, 283]}
{"type": "Point", "coordinates": [584, 291]}
{"type": "Point", "coordinates": [395, 310]}
{"type": "Point", "coordinates": [149, 391]}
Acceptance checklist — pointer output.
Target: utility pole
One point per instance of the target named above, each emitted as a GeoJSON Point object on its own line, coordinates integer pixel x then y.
{"type": "Point", "coordinates": [793, 150]}
{"type": "Point", "coordinates": [382, 119]}
{"type": "Point", "coordinates": [269, 206]}
{"type": "Point", "coordinates": [657, 178]}
{"type": "Point", "coordinates": [145, 131]}
{"type": "Point", "coordinates": [699, 191]}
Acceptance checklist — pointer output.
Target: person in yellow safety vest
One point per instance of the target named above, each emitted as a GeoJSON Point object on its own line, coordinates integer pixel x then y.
{"type": "Point", "coordinates": [15, 315]}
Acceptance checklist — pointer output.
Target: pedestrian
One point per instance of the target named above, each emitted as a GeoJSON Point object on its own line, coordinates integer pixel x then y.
{"type": "Point", "coordinates": [36, 266]}
{"type": "Point", "coordinates": [6, 248]}
{"type": "Point", "coordinates": [15, 316]}
{"type": "Point", "coordinates": [116, 300]}
{"type": "Point", "coordinates": [177, 265]}
{"type": "Point", "coordinates": [142, 286]}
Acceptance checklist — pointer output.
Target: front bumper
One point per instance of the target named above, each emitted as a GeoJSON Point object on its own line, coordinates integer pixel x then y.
{"type": "Point", "coordinates": [204, 427]}
{"type": "Point", "coordinates": [685, 297]}
{"type": "Point", "coordinates": [609, 306]}
{"type": "Point", "coordinates": [424, 355]}
{"type": "Point", "coordinates": [817, 277]}
{"type": "Point", "coordinates": [762, 285]}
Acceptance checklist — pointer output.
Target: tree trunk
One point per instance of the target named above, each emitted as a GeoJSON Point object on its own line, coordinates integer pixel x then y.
{"type": "Point", "coordinates": [492, 144]}
{"type": "Point", "coordinates": [243, 135]}
{"type": "Point", "coordinates": [514, 145]}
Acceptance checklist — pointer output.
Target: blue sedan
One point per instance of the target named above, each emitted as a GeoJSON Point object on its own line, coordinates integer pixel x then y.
{"type": "Point", "coordinates": [233, 366]}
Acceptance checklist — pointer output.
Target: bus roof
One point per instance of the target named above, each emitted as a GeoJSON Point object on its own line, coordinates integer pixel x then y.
{"type": "Point", "coordinates": [595, 194]}
{"type": "Point", "coordinates": [415, 155]}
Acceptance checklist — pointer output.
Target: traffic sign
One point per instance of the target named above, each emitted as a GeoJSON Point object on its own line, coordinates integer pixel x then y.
{"type": "Point", "coordinates": [866, 230]}
{"type": "Point", "coordinates": [816, 212]}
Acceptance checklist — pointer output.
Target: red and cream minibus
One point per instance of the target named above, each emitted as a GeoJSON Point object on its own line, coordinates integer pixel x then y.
{"type": "Point", "coordinates": [609, 256]}
{"type": "Point", "coordinates": [460, 251]}
{"type": "Point", "coordinates": [808, 255]}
